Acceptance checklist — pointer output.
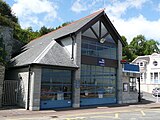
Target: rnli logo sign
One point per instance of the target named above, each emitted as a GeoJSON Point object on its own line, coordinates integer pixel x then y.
{"type": "Point", "coordinates": [101, 62]}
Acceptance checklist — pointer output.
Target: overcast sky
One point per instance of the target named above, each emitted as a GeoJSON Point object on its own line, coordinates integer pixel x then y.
{"type": "Point", "coordinates": [130, 17]}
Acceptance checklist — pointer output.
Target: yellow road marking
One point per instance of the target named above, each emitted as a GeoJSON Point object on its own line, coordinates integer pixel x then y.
{"type": "Point", "coordinates": [97, 113]}
{"type": "Point", "coordinates": [20, 118]}
{"type": "Point", "coordinates": [143, 113]}
{"type": "Point", "coordinates": [116, 115]}
{"type": "Point", "coordinates": [76, 118]}
{"type": "Point", "coordinates": [102, 117]}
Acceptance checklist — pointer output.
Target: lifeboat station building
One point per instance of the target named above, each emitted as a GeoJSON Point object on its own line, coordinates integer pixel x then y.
{"type": "Point", "coordinates": [73, 66]}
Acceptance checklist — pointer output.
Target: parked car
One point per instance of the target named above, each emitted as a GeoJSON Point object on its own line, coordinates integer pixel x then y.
{"type": "Point", "coordinates": [155, 92]}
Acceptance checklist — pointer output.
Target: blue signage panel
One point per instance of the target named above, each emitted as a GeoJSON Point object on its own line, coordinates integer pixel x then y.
{"type": "Point", "coordinates": [131, 67]}
{"type": "Point", "coordinates": [101, 62]}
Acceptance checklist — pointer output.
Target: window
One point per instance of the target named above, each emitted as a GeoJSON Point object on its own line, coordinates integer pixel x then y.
{"type": "Point", "coordinates": [151, 76]}
{"type": "Point", "coordinates": [141, 64]}
{"type": "Point", "coordinates": [91, 45]}
{"type": "Point", "coordinates": [97, 81]}
{"type": "Point", "coordinates": [155, 63]}
{"type": "Point", "coordinates": [141, 76]}
{"type": "Point", "coordinates": [132, 84]}
{"type": "Point", "coordinates": [156, 75]}
{"type": "Point", "coordinates": [94, 48]}
{"type": "Point", "coordinates": [56, 84]}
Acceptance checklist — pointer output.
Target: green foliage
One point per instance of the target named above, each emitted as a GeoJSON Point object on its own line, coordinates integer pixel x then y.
{"type": "Point", "coordinates": [151, 47]}
{"type": "Point", "coordinates": [127, 54]}
{"type": "Point", "coordinates": [5, 10]}
{"type": "Point", "coordinates": [66, 23]}
{"type": "Point", "coordinates": [44, 30]}
{"type": "Point", "coordinates": [139, 46]}
{"type": "Point", "coordinates": [25, 35]}
{"type": "Point", "coordinates": [7, 22]}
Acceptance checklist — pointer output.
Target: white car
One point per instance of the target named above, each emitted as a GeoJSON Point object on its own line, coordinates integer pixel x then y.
{"type": "Point", "coordinates": [155, 92]}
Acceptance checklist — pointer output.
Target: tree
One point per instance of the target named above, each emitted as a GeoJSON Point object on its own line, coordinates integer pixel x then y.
{"type": "Point", "coordinates": [44, 30]}
{"type": "Point", "coordinates": [127, 54]}
{"type": "Point", "coordinates": [5, 10]}
{"type": "Point", "coordinates": [66, 23]}
{"type": "Point", "coordinates": [151, 47]}
{"type": "Point", "coordinates": [139, 46]}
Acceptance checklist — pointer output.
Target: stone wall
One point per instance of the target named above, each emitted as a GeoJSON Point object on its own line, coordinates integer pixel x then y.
{"type": "Point", "coordinates": [2, 72]}
{"type": "Point", "coordinates": [11, 45]}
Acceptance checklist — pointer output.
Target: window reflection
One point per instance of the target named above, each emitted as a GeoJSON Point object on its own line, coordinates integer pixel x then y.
{"type": "Point", "coordinates": [55, 84]}
{"type": "Point", "coordinates": [97, 81]}
{"type": "Point", "coordinates": [96, 49]}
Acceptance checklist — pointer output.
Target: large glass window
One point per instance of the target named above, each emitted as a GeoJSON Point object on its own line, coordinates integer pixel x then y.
{"type": "Point", "coordinates": [91, 45]}
{"type": "Point", "coordinates": [97, 81]}
{"type": "Point", "coordinates": [97, 49]}
{"type": "Point", "coordinates": [55, 84]}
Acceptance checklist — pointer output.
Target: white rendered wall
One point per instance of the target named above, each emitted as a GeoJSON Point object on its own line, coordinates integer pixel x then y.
{"type": "Point", "coordinates": [67, 42]}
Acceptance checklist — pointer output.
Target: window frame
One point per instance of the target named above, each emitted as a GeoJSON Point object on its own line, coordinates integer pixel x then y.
{"type": "Point", "coordinates": [132, 84]}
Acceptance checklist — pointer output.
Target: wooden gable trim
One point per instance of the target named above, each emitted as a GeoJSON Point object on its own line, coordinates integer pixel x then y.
{"type": "Point", "coordinates": [92, 22]}
{"type": "Point", "coordinates": [112, 29]}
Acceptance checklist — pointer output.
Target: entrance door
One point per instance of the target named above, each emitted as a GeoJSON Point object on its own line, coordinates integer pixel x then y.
{"type": "Point", "coordinates": [10, 92]}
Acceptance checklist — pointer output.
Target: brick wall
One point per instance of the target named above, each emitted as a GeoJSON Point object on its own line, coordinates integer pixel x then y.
{"type": "Point", "coordinates": [2, 72]}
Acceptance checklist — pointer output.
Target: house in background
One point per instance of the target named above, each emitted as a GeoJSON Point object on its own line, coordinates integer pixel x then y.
{"type": "Point", "coordinates": [149, 71]}
{"type": "Point", "coordinates": [76, 65]}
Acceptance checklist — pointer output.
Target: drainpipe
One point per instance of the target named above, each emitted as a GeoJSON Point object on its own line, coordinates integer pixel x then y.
{"type": "Point", "coordinates": [73, 38]}
{"type": "Point", "coordinates": [28, 94]}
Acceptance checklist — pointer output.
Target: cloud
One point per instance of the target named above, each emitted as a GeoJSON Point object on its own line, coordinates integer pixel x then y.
{"type": "Point", "coordinates": [137, 25]}
{"type": "Point", "coordinates": [130, 27]}
{"type": "Point", "coordinates": [158, 8]}
{"type": "Point", "coordinates": [34, 12]}
{"type": "Point", "coordinates": [78, 6]}
{"type": "Point", "coordinates": [118, 8]}
{"type": "Point", "coordinates": [84, 5]}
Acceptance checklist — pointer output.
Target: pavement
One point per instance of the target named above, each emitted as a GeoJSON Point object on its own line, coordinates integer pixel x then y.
{"type": "Point", "coordinates": [14, 113]}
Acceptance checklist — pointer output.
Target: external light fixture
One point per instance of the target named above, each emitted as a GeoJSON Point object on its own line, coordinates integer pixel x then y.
{"type": "Point", "coordinates": [102, 40]}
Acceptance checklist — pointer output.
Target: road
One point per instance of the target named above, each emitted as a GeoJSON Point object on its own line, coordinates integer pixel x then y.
{"type": "Point", "coordinates": [148, 109]}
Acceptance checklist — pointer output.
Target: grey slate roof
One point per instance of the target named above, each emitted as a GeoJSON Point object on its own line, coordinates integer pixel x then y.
{"type": "Point", "coordinates": [36, 50]}
{"type": "Point", "coordinates": [57, 56]}
{"type": "Point", "coordinates": [36, 47]}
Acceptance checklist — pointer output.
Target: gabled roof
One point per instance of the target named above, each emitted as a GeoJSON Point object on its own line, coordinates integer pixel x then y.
{"type": "Point", "coordinates": [142, 58]}
{"type": "Point", "coordinates": [53, 54]}
{"type": "Point", "coordinates": [37, 48]}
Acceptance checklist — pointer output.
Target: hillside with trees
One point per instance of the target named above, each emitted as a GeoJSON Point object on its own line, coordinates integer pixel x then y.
{"type": "Point", "coordinates": [8, 19]}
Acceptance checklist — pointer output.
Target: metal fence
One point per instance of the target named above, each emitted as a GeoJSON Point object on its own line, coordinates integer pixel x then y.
{"type": "Point", "coordinates": [10, 92]}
